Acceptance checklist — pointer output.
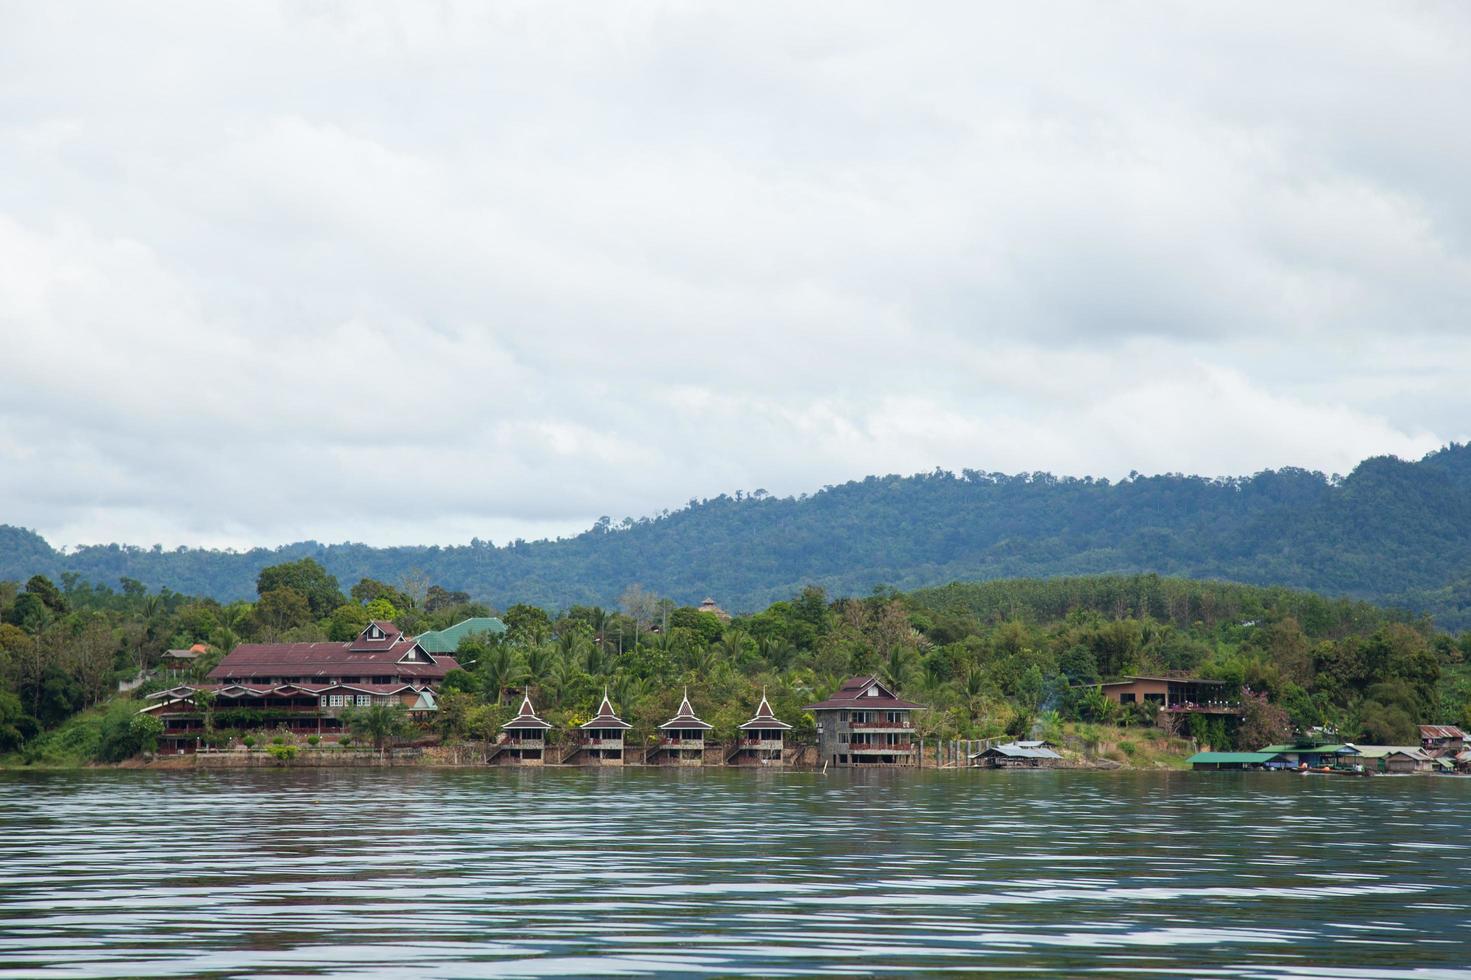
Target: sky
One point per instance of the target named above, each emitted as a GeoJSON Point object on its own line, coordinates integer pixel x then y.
{"type": "Point", "coordinates": [422, 272]}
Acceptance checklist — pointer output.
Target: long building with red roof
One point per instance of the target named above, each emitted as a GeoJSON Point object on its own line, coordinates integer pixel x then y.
{"type": "Point", "coordinates": [302, 687]}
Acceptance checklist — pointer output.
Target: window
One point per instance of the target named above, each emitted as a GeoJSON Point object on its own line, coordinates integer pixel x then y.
{"type": "Point", "coordinates": [1127, 697]}
{"type": "Point", "coordinates": [336, 700]}
{"type": "Point", "coordinates": [323, 701]}
{"type": "Point", "coordinates": [364, 700]}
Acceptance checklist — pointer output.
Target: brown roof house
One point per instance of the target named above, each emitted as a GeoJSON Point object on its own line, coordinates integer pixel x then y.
{"type": "Point", "coordinates": [865, 724]}
{"type": "Point", "coordinates": [1442, 739]}
{"type": "Point", "coordinates": [523, 739]}
{"type": "Point", "coordinates": [681, 738]}
{"type": "Point", "coordinates": [302, 687]}
{"type": "Point", "coordinates": [599, 742]}
{"type": "Point", "coordinates": [760, 741]}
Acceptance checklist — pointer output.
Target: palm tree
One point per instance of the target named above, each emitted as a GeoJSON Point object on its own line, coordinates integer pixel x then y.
{"type": "Point", "coordinates": [500, 668]}
{"type": "Point", "coordinates": [380, 722]}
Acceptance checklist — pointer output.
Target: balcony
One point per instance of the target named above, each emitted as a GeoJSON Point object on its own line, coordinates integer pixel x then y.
{"type": "Point", "coordinates": [602, 743]}
{"type": "Point", "coordinates": [868, 748]}
{"type": "Point", "coordinates": [686, 743]}
{"type": "Point", "coordinates": [882, 726]}
{"type": "Point", "coordinates": [760, 743]}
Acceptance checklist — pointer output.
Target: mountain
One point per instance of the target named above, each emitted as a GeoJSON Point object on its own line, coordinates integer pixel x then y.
{"type": "Point", "coordinates": [1392, 531]}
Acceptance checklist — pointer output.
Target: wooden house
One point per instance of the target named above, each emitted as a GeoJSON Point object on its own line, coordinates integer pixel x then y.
{"type": "Point", "coordinates": [761, 739]}
{"type": "Point", "coordinates": [599, 741]}
{"type": "Point", "coordinates": [865, 724]}
{"type": "Point", "coordinates": [523, 739]}
{"type": "Point", "coordinates": [681, 738]}
{"type": "Point", "coordinates": [1442, 739]}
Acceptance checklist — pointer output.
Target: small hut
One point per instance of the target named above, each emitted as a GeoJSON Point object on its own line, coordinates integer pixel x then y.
{"type": "Point", "coordinates": [709, 606]}
{"type": "Point", "coordinates": [600, 741]}
{"type": "Point", "coordinates": [523, 739]}
{"type": "Point", "coordinates": [681, 738]}
{"type": "Point", "coordinates": [760, 743]}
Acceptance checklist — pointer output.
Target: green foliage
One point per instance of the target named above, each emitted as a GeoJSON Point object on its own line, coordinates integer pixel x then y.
{"type": "Point", "coordinates": [306, 578]}
{"type": "Point", "coordinates": [283, 754]}
{"type": "Point", "coordinates": [1391, 530]}
{"type": "Point", "coordinates": [378, 722]}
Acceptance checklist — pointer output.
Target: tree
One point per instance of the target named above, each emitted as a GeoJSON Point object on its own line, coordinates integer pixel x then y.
{"type": "Point", "coordinates": [281, 609]}
{"type": "Point", "coordinates": [1262, 722]}
{"type": "Point", "coordinates": [44, 589]}
{"type": "Point", "coordinates": [440, 598]}
{"type": "Point", "coordinates": [369, 589]}
{"type": "Point", "coordinates": [526, 624]}
{"type": "Point", "coordinates": [308, 579]}
{"type": "Point", "coordinates": [379, 722]}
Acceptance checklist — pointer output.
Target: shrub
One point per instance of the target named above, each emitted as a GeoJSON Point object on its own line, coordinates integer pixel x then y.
{"type": "Point", "coordinates": [282, 753]}
{"type": "Point", "coordinates": [313, 740]}
{"type": "Point", "coordinates": [1128, 748]}
{"type": "Point", "coordinates": [249, 742]}
{"type": "Point", "coordinates": [278, 740]}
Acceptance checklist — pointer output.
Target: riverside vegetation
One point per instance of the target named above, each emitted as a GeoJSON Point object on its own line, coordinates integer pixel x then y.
{"type": "Point", "coordinates": [1005, 657]}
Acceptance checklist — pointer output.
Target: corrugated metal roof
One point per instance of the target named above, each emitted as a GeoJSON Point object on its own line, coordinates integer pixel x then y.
{"type": "Point", "coordinates": [1014, 751]}
{"type": "Point", "coordinates": [1256, 758]}
{"type": "Point", "coordinates": [448, 639]}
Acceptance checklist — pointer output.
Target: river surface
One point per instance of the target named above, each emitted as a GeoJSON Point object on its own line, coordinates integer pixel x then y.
{"type": "Point", "coordinates": [505, 873]}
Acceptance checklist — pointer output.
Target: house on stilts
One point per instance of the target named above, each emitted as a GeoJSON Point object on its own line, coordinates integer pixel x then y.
{"type": "Point", "coordinates": [523, 740]}
{"type": "Point", "coordinates": [599, 741]}
{"type": "Point", "coordinates": [761, 739]}
{"type": "Point", "coordinates": [681, 738]}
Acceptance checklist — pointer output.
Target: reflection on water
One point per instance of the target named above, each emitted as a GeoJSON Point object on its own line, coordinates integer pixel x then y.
{"type": "Point", "coordinates": [635, 873]}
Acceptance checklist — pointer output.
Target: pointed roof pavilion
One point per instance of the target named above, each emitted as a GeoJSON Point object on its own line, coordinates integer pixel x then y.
{"type": "Point", "coordinates": [606, 716]}
{"type": "Point", "coordinates": [764, 718]}
{"type": "Point", "coordinates": [527, 717]}
{"type": "Point", "coordinates": [685, 717]}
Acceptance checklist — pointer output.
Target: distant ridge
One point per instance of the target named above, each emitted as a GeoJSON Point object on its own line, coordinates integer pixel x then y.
{"type": "Point", "coordinates": [1392, 531]}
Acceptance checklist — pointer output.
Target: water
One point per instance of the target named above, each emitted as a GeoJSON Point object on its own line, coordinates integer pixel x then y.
{"type": "Point", "coordinates": [441, 873]}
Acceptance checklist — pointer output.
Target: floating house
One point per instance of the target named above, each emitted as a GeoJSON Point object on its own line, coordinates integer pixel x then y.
{"type": "Point", "coordinates": [523, 740]}
{"type": "Point", "coordinates": [599, 741]}
{"type": "Point", "coordinates": [681, 738]}
{"type": "Point", "coordinates": [1016, 755]}
{"type": "Point", "coordinates": [761, 742]}
{"type": "Point", "coordinates": [1310, 755]}
{"type": "Point", "coordinates": [865, 724]}
{"type": "Point", "coordinates": [302, 687]}
{"type": "Point", "coordinates": [1230, 760]}
{"type": "Point", "coordinates": [1396, 758]}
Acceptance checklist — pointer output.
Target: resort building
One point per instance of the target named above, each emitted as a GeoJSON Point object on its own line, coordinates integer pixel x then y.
{"type": "Point", "coordinates": [599, 741]}
{"type": "Point", "coordinates": [1310, 755]}
{"type": "Point", "coordinates": [1177, 695]}
{"type": "Point", "coordinates": [681, 738]}
{"type": "Point", "coordinates": [865, 724]}
{"type": "Point", "coordinates": [523, 740]}
{"type": "Point", "coordinates": [302, 687]}
{"type": "Point", "coordinates": [761, 739]}
{"type": "Point", "coordinates": [1396, 758]}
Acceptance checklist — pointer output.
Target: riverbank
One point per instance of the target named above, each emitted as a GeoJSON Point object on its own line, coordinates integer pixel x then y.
{"type": "Point", "coordinates": [1082, 747]}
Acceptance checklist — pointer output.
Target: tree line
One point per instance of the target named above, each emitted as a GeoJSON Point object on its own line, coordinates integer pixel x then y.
{"type": "Point", "coordinates": [1392, 531]}
{"type": "Point", "coordinates": [986, 659]}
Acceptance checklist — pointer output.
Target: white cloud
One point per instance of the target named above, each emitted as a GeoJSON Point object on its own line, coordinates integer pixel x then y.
{"type": "Point", "coordinates": [424, 273]}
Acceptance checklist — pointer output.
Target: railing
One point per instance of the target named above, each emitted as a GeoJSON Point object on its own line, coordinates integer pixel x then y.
{"type": "Point", "coordinates": [880, 724]}
{"type": "Point", "coordinates": [759, 743]}
{"type": "Point", "coordinates": [692, 742]}
{"type": "Point", "coordinates": [875, 747]}
{"type": "Point", "coordinates": [596, 743]}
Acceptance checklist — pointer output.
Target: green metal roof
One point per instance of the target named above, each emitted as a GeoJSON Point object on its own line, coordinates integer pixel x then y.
{"type": "Point", "coordinates": [448, 639]}
{"type": "Point", "coordinates": [1247, 757]}
{"type": "Point", "coordinates": [1310, 749]}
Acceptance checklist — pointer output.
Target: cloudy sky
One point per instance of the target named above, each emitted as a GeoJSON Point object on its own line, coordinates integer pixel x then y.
{"type": "Point", "coordinates": [424, 272]}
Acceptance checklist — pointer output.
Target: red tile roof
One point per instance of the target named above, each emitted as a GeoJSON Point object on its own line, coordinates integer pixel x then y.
{"type": "Point", "coordinates": [764, 718]}
{"type": "Point", "coordinates": [685, 717]}
{"type": "Point", "coordinates": [526, 718]}
{"type": "Point", "coordinates": [606, 717]}
{"type": "Point", "coordinates": [854, 694]}
{"type": "Point", "coordinates": [393, 654]}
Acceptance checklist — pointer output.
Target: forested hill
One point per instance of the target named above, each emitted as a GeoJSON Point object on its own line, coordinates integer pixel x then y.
{"type": "Point", "coordinates": [1392, 531]}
